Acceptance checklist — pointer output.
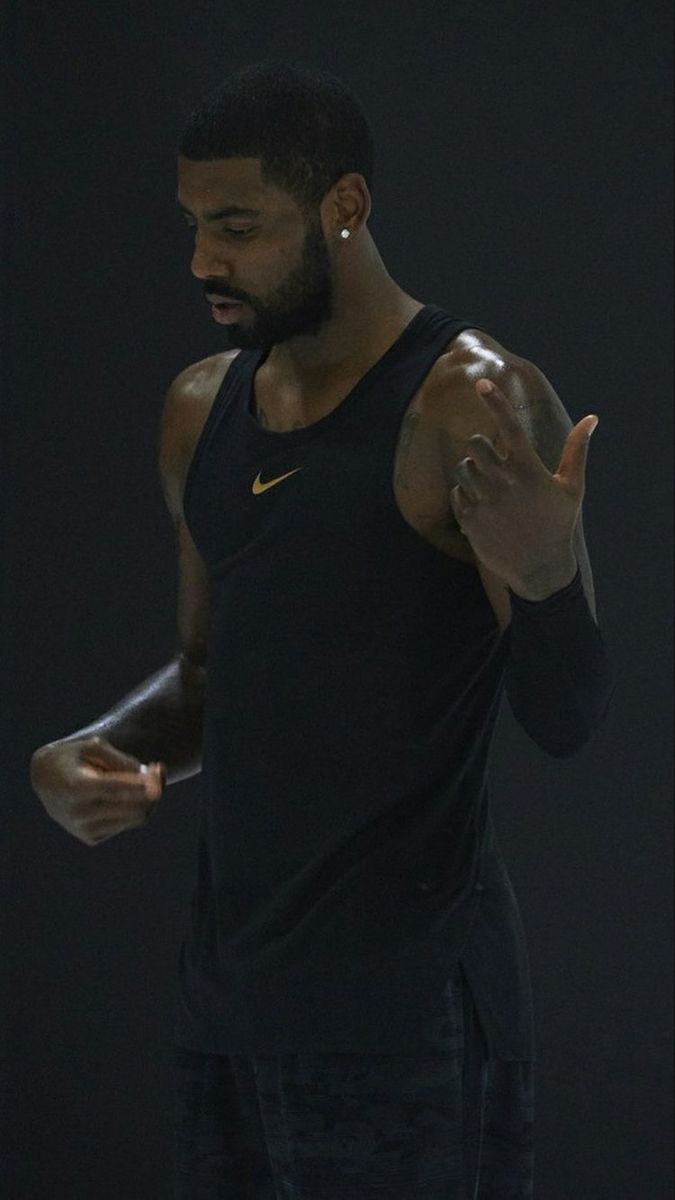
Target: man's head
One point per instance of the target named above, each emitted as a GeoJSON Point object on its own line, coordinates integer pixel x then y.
{"type": "Point", "coordinates": [294, 148]}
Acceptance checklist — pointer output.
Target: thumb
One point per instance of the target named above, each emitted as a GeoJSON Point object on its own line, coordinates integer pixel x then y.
{"type": "Point", "coordinates": [572, 465]}
{"type": "Point", "coordinates": [155, 779]}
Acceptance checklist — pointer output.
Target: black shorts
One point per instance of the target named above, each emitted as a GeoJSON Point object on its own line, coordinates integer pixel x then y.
{"type": "Point", "coordinates": [451, 1126]}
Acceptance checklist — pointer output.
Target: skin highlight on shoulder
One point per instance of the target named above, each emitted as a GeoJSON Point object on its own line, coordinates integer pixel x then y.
{"type": "Point", "coordinates": [201, 378]}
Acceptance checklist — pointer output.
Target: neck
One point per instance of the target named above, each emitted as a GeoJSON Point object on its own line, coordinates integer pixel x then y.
{"type": "Point", "coordinates": [370, 312]}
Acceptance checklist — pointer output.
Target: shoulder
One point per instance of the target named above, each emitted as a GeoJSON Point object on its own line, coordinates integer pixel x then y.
{"type": "Point", "coordinates": [187, 404]}
{"type": "Point", "coordinates": [199, 381]}
{"type": "Point", "coordinates": [449, 398]}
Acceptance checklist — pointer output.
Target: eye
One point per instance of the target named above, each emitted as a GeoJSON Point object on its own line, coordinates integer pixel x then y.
{"type": "Point", "coordinates": [237, 233]}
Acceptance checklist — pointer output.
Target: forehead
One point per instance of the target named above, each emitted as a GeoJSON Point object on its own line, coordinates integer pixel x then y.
{"type": "Point", "coordinates": [226, 181]}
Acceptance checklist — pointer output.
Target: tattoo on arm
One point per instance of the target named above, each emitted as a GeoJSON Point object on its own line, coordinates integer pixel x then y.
{"type": "Point", "coordinates": [528, 403]}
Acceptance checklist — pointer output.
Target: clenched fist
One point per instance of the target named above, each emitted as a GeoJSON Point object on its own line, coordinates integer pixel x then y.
{"type": "Point", "coordinates": [93, 790]}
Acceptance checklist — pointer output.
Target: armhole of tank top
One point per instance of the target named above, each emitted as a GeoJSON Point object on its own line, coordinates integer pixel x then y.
{"type": "Point", "coordinates": [205, 435]}
{"type": "Point", "coordinates": [402, 524]}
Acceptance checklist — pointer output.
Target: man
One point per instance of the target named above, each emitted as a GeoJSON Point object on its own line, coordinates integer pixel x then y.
{"type": "Point", "coordinates": [378, 518]}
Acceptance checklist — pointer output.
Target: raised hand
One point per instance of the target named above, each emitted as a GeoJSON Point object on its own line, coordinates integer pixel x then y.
{"type": "Point", "coordinates": [518, 517]}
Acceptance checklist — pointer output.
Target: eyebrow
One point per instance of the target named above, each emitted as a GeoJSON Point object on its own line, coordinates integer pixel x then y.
{"type": "Point", "coordinates": [232, 210]}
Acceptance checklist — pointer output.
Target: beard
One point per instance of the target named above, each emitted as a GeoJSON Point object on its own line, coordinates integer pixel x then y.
{"type": "Point", "coordinates": [300, 306]}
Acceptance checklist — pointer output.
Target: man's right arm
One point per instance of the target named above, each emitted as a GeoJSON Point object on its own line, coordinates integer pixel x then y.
{"type": "Point", "coordinates": [161, 720]}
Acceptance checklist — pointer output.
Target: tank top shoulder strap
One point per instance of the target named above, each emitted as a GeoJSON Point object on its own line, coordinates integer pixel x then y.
{"type": "Point", "coordinates": [387, 390]}
{"type": "Point", "coordinates": [223, 398]}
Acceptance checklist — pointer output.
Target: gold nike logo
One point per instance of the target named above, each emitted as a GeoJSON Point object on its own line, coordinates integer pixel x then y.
{"type": "Point", "coordinates": [258, 486]}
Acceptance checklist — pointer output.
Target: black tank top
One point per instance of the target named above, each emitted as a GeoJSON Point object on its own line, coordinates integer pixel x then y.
{"type": "Point", "coordinates": [346, 856]}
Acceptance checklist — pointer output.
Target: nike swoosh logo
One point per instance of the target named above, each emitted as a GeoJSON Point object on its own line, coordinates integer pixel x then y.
{"type": "Point", "coordinates": [258, 486]}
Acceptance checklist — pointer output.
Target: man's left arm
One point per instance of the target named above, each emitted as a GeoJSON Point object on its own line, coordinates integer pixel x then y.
{"type": "Point", "coordinates": [518, 500]}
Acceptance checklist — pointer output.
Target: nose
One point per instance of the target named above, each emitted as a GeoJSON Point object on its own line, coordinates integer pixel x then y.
{"type": "Point", "coordinates": [207, 262]}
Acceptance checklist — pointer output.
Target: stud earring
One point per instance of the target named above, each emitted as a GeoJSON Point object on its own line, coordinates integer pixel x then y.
{"type": "Point", "coordinates": [344, 233]}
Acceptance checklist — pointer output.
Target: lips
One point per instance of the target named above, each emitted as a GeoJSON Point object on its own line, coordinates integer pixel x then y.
{"type": "Point", "coordinates": [219, 300]}
{"type": "Point", "coordinates": [226, 314]}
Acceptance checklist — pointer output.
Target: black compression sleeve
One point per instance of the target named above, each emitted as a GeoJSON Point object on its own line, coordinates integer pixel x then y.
{"type": "Point", "coordinates": [559, 680]}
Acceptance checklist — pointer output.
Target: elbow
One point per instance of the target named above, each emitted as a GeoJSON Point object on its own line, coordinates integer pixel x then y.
{"type": "Point", "coordinates": [566, 749]}
{"type": "Point", "coordinates": [566, 725]}
{"type": "Point", "coordinates": [575, 736]}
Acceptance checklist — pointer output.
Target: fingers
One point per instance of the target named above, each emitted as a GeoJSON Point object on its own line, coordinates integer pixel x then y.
{"type": "Point", "coordinates": [100, 754]}
{"type": "Point", "coordinates": [99, 751]}
{"type": "Point", "coordinates": [470, 485]}
{"type": "Point", "coordinates": [458, 504]}
{"type": "Point", "coordinates": [484, 452]}
{"type": "Point", "coordinates": [572, 466]}
{"type": "Point", "coordinates": [154, 779]}
{"type": "Point", "coordinates": [515, 439]}
{"type": "Point", "coordinates": [125, 786]}
{"type": "Point", "coordinates": [119, 811]}
{"type": "Point", "coordinates": [128, 816]}
{"type": "Point", "coordinates": [481, 475]}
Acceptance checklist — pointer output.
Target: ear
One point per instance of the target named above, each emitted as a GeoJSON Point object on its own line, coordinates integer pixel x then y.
{"type": "Point", "coordinates": [350, 204]}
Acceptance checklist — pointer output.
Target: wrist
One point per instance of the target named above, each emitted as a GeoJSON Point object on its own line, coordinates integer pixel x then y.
{"type": "Point", "coordinates": [547, 582]}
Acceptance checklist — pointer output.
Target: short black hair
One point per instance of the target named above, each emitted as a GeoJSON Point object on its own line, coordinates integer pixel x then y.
{"type": "Point", "coordinates": [305, 125]}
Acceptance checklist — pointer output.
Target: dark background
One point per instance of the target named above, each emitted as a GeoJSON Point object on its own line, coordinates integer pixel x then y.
{"type": "Point", "coordinates": [522, 180]}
